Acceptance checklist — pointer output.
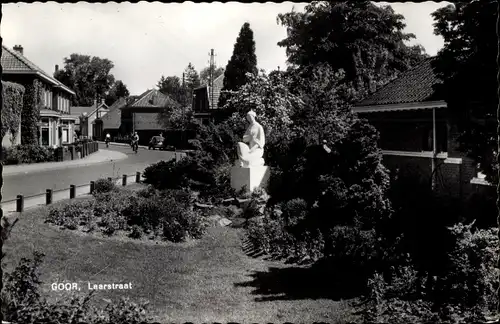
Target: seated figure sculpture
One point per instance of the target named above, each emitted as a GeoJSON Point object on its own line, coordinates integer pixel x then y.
{"type": "Point", "coordinates": [251, 154]}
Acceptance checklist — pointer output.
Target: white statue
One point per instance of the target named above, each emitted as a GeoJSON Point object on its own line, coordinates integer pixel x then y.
{"type": "Point", "coordinates": [251, 154]}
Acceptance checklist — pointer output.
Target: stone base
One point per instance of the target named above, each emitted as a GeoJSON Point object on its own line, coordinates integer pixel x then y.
{"type": "Point", "coordinates": [251, 177]}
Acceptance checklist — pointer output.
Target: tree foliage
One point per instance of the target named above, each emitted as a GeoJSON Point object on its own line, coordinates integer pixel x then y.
{"type": "Point", "coordinates": [191, 78]}
{"type": "Point", "coordinates": [174, 115]}
{"type": "Point", "coordinates": [118, 90]}
{"type": "Point", "coordinates": [242, 61]}
{"type": "Point", "coordinates": [469, 53]}
{"type": "Point", "coordinates": [13, 101]}
{"type": "Point", "coordinates": [172, 87]}
{"type": "Point", "coordinates": [30, 115]}
{"type": "Point", "coordinates": [364, 40]}
{"type": "Point", "coordinates": [90, 77]}
{"type": "Point", "coordinates": [205, 74]}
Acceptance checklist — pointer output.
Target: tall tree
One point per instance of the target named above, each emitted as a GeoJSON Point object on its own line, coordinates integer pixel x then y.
{"type": "Point", "coordinates": [191, 81]}
{"type": "Point", "coordinates": [242, 61]}
{"type": "Point", "coordinates": [118, 90]}
{"type": "Point", "coordinates": [205, 74]}
{"type": "Point", "coordinates": [191, 77]}
{"type": "Point", "coordinates": [469, 53]}
{"type": "Point", "coordinates": [364, 40]}
{"type": "Point", "coordinates": [88, 76]}
{"type": "Point", "coordinates": [172, 86]}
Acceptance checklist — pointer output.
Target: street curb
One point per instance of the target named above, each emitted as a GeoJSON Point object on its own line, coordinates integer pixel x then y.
{"type": "Point", "coordinates": [121, 144]}
{"type": "Point", "coordinates": [8, 207]}
{"type": "Point", "coordinates": [60, 167]}
{"type": "Point", "coordinates": [142, 146]}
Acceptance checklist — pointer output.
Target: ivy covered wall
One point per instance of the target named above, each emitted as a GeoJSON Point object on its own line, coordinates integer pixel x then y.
{"type": "Point", "coordinates": [13, 100]}
{"type": "Point", "coordinates": [30, 115]}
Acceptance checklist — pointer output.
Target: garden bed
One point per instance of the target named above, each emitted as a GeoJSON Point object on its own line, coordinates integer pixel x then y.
{"type": "Point", "coordinates": [208, 280]}
{"type": "Point", "coordinates": [141, 214]}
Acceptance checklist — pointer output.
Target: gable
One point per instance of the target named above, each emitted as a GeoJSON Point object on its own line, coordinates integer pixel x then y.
{"type": "Point", "coordinates": [14, 62]}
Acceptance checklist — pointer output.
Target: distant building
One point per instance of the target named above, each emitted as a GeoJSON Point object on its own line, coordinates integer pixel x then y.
{"type": "Point", "coordinates": [111, 122]}
{"type": "Point", "coordinates": [204, 108]}
{"type": "Point", "coordinates": [141, 114]}
{"type": "Point", "coordinates": [56, 125]}
{"type": "Point", "coordinates": [89, 123]}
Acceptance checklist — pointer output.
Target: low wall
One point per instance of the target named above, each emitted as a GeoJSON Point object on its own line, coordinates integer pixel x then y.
{"type": "Point", "coordinates": [76, 151]}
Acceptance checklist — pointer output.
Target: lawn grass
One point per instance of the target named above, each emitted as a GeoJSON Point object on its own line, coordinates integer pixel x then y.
{"type": "Point", "coordinates": [209, 280]}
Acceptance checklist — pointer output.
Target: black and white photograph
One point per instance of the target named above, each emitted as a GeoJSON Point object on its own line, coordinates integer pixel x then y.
{"type": "Point", "coordinates": [293, 162]}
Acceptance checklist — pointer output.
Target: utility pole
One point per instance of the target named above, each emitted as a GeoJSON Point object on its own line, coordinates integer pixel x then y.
{"type": "Point", "coordinates": [212, 71]}
{"type": "Point", "coordinates": [183, 106]}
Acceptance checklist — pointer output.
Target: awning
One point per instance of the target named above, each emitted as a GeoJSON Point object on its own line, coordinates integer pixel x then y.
{"type": "Point", "coordinates": [400, 107]}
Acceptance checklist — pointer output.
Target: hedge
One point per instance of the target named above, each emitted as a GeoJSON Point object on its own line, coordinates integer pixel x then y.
{"type": "Point", "coordinates": [31, 113]}
{"type": "Point", "coordinates": [12, 106]}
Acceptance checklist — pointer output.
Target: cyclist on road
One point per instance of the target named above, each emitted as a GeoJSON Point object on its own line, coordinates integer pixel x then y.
{"type": "Point", "coordinates": [135, 141]}
{"type": "Point", "coordinates": [108, 139]}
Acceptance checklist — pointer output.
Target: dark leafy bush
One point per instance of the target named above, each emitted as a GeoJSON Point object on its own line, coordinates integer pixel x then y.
{"type": "Point", "coordinates": [21, 154]}
{"type": "Point", "coordinates": [464, 291]}
{"type": "Point", "coordinates": [136, 232]}
{"type": "Point", "coordinates": [103, 186]}
{"type": "Point", "coordinates": [72, 214]}
{"type": "Point", "coordinates": [165, 175]}
{"type": "Point", "coordinates": [197, 171]}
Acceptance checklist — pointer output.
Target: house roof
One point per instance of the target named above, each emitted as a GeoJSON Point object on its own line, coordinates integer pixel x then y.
{"type": "Point", "coordinates": [218, 85]}
{"type": "Point", "coordinates": [112, 120]}
{"type": "Point", "coordinates": [89, 110]}
{"type": "Point", "coordinates": [414, 85]}
{"type": "Point", "coordinates": [14, 62]}
{"type": "Point", "coordinates": [150, 99]}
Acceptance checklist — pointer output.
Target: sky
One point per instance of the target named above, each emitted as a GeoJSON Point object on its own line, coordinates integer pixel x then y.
{"type": "Point", "coordinates": [148, 40]}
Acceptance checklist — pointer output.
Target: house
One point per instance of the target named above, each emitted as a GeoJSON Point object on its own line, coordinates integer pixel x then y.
{"type": "Point", "coordinates": [206, 101]}
{"type": "Point", "coordinates": [418, 132]}
{"type": "Point", "coordinates": [111, 122]}
{"type": "Point", "coordinates": [56, 125]}
{"type": "Point", "coordinates": [140, 114]}
{"type": "Point", "coordinates": [89, 124]}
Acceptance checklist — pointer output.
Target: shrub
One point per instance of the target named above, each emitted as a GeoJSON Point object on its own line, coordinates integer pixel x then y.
{"type": "Point", "coordinates": [136, 232]}
{"type": "Point", "coordinates": [165, 175]}
{"type": "Point", "coordinates": [72, 214]}
{"type": "Point", "coordinates": [103, 186]}
{"type": "Point", "coordinates": [28, 154]}
{"type": "Point", "coordinates": [463, 291]}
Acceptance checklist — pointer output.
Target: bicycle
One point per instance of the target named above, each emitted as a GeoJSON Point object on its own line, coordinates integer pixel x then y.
{"type": "Point", "coordinates": [135, 146]}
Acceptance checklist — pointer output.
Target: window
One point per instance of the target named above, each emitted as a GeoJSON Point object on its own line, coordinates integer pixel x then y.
{"type": "Point", "coordinates": [45, 136]}
{"type": "Point", "coordinates": [65, 135]}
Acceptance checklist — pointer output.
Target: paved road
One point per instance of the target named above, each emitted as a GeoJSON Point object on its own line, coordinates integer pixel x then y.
{"type": "Point", "coordinates": [37, 182]}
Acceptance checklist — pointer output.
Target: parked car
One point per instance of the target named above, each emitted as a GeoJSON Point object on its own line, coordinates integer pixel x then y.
{"type": "Point", "coordinates": [156, 142]}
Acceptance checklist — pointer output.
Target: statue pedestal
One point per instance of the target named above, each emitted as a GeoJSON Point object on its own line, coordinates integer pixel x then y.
{"type": "Point", "coordinates": [251, 177]}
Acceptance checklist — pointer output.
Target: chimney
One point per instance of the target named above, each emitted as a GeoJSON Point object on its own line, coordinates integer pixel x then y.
{"type": "Point", "coordinates": [19, 49]}
{"type": "Point", "coordinates": [57, 68]}
{"type": "Point", "coordinates": [102, 101]}
{"type": "Point", "coordinates": [95, 103]}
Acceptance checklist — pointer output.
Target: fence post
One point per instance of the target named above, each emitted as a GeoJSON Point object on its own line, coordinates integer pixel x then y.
{"type": "Point", "coordinates": [20, 203]}
{"type": "Point", "coordinates": [124, 180]}
{"type": "Point", "coordinates": [72, 191]}
{"type": "Point", "coordinates": [137, 177]}
{"type": "Point", "coordinates": [48, 197]}
{"type": "Point", "coordinates": [92, 186]}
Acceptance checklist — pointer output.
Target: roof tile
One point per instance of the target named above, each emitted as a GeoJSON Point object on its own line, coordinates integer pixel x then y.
{"type": "Point", "coordinates": [13, 61]}
{"type": "Point", "coordinates": [415, 85]}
